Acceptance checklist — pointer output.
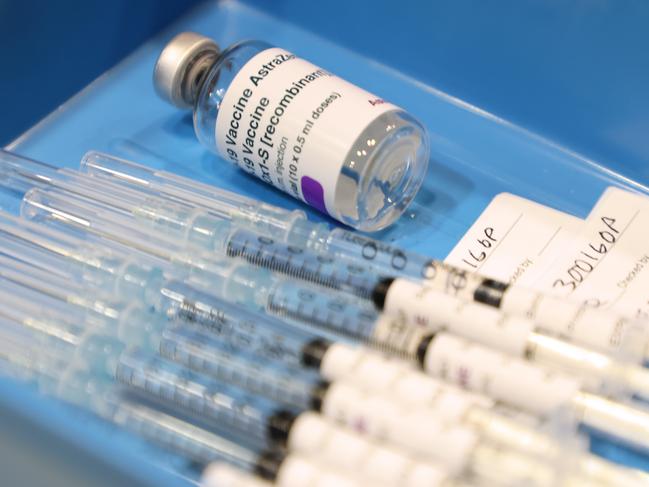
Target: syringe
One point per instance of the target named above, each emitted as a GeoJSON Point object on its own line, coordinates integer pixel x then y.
{"type": "Point", "coordinates": [265, 252]}
{"type": "Point", "coordinates": [295, 301]}
{"type": "Point", "coordinates": [571, 321]}
{"type": "Point", "coordinates": [85, 389]}
{"type": "Point", "coordinates": [514, 335]}
{"type": "Point", "coordinates": [369, 372]}
{"type": "Point", "coordinates": [263, 421]}
{"type": "Point", "coordinates": [267, 422]}
{"type": "Point", "coordinates": [191, 227]}
{"type": "Point", "coordinates": [272, 221]}
{"type": "Point", "coordinates": [234, 329]}
{"type": "Point", "coordinates": [233, 280]}
{"type": "Point", "coordinates": [520, 402]}
{"type": "Point", "coordinates": [407, 382]}
{"type": "Point", "coordinates": [557, 390]}
{"type": "Point", "coordinates": [57, 330]}
{"type": "Point", "coordinates": [150, 339]}
{"type": "Point", "coordinates": [217, 407]}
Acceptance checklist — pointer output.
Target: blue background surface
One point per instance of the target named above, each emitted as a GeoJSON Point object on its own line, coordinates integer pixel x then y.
{"type": "Point", "coordinates": [576, 72]}
{"type": "Point", "coordinates": [50, 50]}
{"type": "Point", "coordinates": [537, 98]}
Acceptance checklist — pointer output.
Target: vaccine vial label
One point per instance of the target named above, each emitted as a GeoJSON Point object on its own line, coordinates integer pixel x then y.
{"type": "Point", "coordinates": [292, 124]}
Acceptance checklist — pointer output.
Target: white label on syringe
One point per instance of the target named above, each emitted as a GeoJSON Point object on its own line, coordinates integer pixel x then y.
{"type": "Point", "coordinates": [513, 239]}
{"type": "Point", "coordinates": [418, 430]}
{"type": "Point", "coordinates": [341, 448]}
{"type": "Point", "coordinates": [375, 373]}
{"type": "Point", "coordinates": [297, 471]}
{"type": "Point", "coordinates": [419, 305]}
{"type": "Point", "coordinates": [506, 379]}
{"type": "Point", "coordinates": [291, 124]}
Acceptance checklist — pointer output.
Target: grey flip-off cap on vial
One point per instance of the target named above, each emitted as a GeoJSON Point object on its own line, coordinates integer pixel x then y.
{"type": "Point", "coordinates": [176, 61]}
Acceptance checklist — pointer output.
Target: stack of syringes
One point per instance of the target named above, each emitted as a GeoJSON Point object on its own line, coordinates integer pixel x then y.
{"type": "Point", "coordinates": [270, 349]}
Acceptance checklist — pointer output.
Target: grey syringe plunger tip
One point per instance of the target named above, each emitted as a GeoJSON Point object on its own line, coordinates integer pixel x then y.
{"type": "Point", "coordinates": [181, 65]}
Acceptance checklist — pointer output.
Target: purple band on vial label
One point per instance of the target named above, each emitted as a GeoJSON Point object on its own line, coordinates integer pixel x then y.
{"type": "Point", "coordinates": [313, 193]}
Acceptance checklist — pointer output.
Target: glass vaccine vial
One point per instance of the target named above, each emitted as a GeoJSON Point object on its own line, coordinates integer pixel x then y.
{"type": "Point", "coordinates": [294, 125]}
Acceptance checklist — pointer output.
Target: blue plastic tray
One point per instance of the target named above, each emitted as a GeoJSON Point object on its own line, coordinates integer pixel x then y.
{"type": "Point", "coordinates": [476, 154]}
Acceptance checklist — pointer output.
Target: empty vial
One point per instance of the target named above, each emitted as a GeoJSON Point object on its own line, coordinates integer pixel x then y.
{"type": "Point", "coordinates": [338, 148]}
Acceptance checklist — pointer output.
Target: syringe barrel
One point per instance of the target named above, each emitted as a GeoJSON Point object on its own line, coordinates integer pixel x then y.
{"type": "Point", "coordinates": [333, 311]}
{"type": "Point", "coordinates": [21, 174]}
{"type": "Point", "coordinates": [101, 396]}
{"type": "Point", "coordinates": [193, 442]}
{"type": "Point", "coordinates": [343, 318]}
{"type": "Point", "coordinates": [234, 326]}
{"type": "Point", "coordinates": [197, 229]}
{"type": "Point", "coordinates": [266, 219]}
{"type": "Point", "coordinates": [267, 377]}
{"type": "Point", "coordinates": [63, 274]}
{"type": "Point", "coordinates": [59, 206]}
{"type": "Point", "coordinates": [194, 227]}
{"type": "Point", "coordinates": [55, 304]}
{"type": "Point", "coordinates": [384, 258]}
{"type": "Point", "coordinates": [230, 279]}
{"type": "Point", "coordinates": [297, 262]}
{"type": "Point", "coordinates": [225, 407]}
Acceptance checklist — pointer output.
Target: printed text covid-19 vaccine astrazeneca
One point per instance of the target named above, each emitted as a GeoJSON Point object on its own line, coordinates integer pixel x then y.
{"type": "Point", "coordinates": [342, 150]}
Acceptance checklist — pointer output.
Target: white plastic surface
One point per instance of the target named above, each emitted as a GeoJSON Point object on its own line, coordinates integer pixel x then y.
{"type": "Point", "coordinates": [299, 471]}
{"type": "Point", "coordinates": [224, 475]}
{"type": "Point", "coordinates": [313, 435]}
{"type": "Point", "coordinates": [419, 431]}
{"type": "Point", "coordinates": [420, 305]}
{"type": "Point", "coordinates": [596, 328]}
{"type": "Point", "coordinates": [503, 378]}
{"type": "Point", "coordinates": [375, 373]}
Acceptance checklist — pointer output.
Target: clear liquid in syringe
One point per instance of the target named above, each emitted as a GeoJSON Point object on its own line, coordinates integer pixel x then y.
{"type": "Point", "coordinates": [236, 329]}
{"type": "Point", "coordinates": [320, 269]}
{"type": "Point", "coordinates": [335, 312]}
{"type": "Point", "coordinates": [268, 377]}
{"type": "Point", "coordinates": [222, 405]}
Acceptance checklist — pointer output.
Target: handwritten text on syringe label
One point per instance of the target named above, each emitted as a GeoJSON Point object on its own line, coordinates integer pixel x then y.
{"type": "Point", "coordinates": [513, 239]}
{"type": "Point", "coordinates": [610, 265]}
